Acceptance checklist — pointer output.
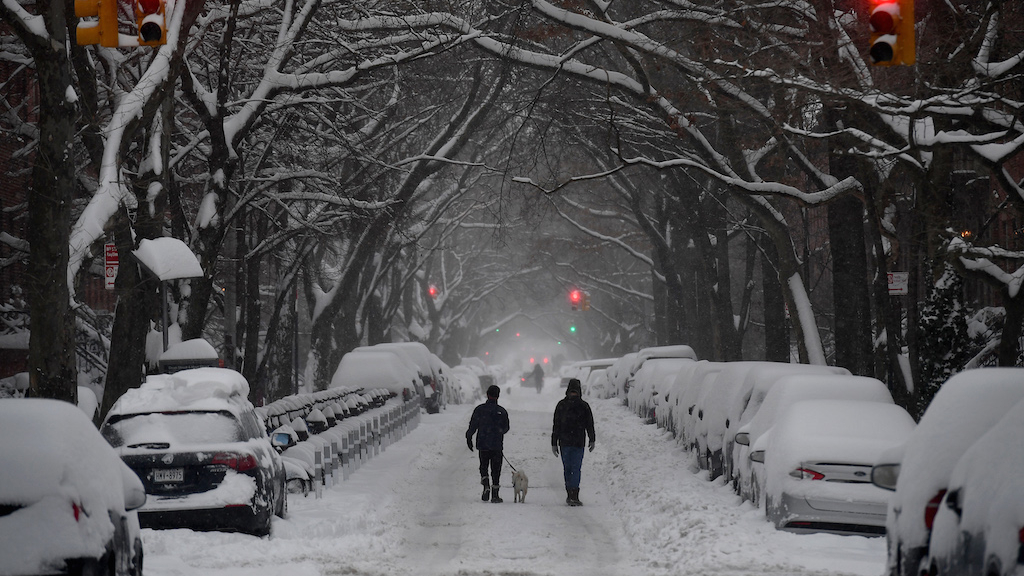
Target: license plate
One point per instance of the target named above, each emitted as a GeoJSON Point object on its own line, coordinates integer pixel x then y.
{"type": "Point", "coordinates": [169, 475]}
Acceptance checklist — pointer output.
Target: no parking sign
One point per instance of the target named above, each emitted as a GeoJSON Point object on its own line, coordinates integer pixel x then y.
{"type": "Point", "coordinates": [110, 261]}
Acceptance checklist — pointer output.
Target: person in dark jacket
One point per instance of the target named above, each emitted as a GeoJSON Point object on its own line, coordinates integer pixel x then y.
{"type": "Point", "coordinates": [538, 377]}
{"type": "Point", "coordinates": [490, 424]}
{"type": "Point", "coordinates": [573, 424]}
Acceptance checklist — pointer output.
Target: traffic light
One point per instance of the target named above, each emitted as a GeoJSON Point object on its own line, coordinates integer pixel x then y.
{"type": "Point", "coordinates": [432, 291]}
{"type": "Point", "coordinates": [103, 30]}
{"type": "Point", "coordinates": [586, 302]}
{"type": "Point", "coordinates": [575, 296]}
{"type": "Point", "coordinates": [572, 328]}
{"type": "Point", "coordinates": [892, 32]}
{"type": "Point", "coordinates": [150, 22]}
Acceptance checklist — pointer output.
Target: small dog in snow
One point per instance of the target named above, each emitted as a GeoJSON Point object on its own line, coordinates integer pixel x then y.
{"type": "Point", "coordinates": [520, 483]}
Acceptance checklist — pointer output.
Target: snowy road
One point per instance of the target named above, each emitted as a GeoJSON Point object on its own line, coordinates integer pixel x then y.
{"type": "Point", "coordinates": [416, 509]}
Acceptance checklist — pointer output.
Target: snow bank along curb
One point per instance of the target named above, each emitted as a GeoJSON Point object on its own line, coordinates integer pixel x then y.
{"type": "Point", "coordinates": [353, 431]}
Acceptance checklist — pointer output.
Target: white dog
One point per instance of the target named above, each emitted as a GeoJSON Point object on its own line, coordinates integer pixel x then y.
{"type": "Point", "coordinates": [520, 483]}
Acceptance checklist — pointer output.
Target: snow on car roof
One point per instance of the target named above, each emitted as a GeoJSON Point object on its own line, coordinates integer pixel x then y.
{"type": "Point", "coordinates": [416, 351]}
{"type": "Point", "coordinates": [168, 258]}
{"type": "Point", "coordinates": [989, 475]}
{"type": "Point", "coordinates": [197, 348]}
{"type": "Point", "coordinates": [840, 430]}
{"type": "Point", "coordinates": [50, 447]}
{"type": "Point", "coordinates": [794, 388]}
{"type": "Point", "coordinates": [673, 351]}
{"type": "Point", "coordinates": [196, 389]}
{"type": "Point", "coordinates": [381, 368]}
{"type": "Point", "coordinates": [964, 408]}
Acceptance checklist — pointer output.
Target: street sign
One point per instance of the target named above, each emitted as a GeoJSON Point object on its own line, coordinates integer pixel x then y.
{"type": "Point", "coordinates": [110, 264]}
{"type": "Point", "coordinates": [898, 283]}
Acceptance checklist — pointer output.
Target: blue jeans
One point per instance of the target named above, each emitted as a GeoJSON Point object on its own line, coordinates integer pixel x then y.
{"type": "Point", "coordinates": [572, 461]}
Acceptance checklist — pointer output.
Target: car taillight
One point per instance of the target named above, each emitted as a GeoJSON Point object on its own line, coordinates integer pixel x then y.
{"type": "Point", "coordinates": [240, 462]}
{"type": "Point", "coordinates": [806, 474]}
{"type": "Point", "coordinates": [77, 510]}
{"type": "Point", "coordinates": [1020, 549]}
{"type": "Point", "coordinates": [932, 508]}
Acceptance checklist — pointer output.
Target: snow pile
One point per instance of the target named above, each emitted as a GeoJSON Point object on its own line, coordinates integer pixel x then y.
{"type": "Point", "coordinates": [168, 259]}
{"type": "Point", "coordinates": [195, 349]}
{"type": "Point", "coordinates": [196, 389]}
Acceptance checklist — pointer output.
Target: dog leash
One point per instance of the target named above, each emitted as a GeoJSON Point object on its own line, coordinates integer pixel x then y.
{"type": "Point", "coordinates": [507, 462]}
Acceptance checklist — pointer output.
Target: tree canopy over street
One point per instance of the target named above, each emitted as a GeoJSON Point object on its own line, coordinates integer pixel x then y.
{"type": "Point", "coordinates": [735, 175]}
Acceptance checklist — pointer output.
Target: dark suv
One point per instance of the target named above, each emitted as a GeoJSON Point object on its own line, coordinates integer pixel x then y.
{"type": "Point", "coordinates": [201, 451]}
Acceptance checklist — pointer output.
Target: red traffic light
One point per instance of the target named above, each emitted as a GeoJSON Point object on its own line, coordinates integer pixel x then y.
{"type": "Point", "coordinates": [432, 291]}
{"type": "Point", "coordinates": [892, 32]}
{"type": "Point", "coordinates": [575, 296]}
{"type": "Point", "coordinates": [884, 17]}
{"type": "Point", "coordinates": [150, 22]}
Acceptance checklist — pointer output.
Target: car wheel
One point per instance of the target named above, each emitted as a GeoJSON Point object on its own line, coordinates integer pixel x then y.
{"type": "Point", "coordinates": [137, 559]}
{"type": "Point", "coordinates": [92, 566]}
{"type": "Point", "coordinates": [755, 492]}
{"type": "Point", "coordinates": [263, 525]}
{"type": "Point", "coordinates": [282, 507]}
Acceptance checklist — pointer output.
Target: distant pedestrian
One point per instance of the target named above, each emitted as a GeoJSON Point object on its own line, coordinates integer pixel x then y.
{"type": "Point", "coordinates": [538, 377]}
{"type": "Point", "coordinates": [490, 424]}
{"type": "Point", "coordinates": [573, 424]}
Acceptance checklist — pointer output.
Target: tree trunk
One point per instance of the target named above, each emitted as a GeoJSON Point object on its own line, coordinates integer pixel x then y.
{"type": "Point", "coordinates": [51, 349]}
{"type": "Point", "coordinates": [1009, 344]}
{"type": "Point", "coordinates": [776, 325]}
{"type": "Point", "coordinates": [850, 283]}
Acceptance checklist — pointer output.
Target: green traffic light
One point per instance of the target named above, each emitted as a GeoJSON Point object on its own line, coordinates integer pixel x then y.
{"type": "Point", "coordinates": [572, 328]}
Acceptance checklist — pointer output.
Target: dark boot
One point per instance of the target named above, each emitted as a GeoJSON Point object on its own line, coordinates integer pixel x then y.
{"type": "Point", "coordinates": [574, 497]}
{"type": "Point", "coordinates": [487, 488]}
{"type": "Point", "coordinates": [494, 495]}
{"type": "Point", "coordinates": [568, 496]}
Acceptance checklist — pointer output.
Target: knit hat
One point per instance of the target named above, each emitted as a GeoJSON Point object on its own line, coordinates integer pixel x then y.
{"type": "Point", "coordinates": [574, 386]}
{"type": "Point", "coordinates": [493, 392]}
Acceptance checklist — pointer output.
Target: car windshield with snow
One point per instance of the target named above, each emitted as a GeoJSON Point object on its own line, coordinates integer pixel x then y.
{"type": "Point", "coordinates": [201, 451]}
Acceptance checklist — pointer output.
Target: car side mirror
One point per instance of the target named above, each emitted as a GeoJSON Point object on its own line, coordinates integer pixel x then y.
{"type": "Point", "coordinates": [134, 491]}
{"type": "Point", "coordinates": [281, 440]}
{"type": "Point", "coordinates": [757, 456]}
{"type": "Point", "coordinates": [885, 475]}
{"type": "Point", "coordinates": [953, 501]}
{"type": "Point", "coordinates": [742, 438]}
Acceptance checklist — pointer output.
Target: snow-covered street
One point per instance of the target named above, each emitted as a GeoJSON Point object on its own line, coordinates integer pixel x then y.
{"type": "Point", "coordinates": [416, 509]}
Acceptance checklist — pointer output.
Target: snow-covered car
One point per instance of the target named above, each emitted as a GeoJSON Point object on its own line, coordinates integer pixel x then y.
{"type": "Point", "coordinates": [467, 383]}
{"type": "Point", "coordinates": [724, 389]}
{"type": "Point", "coordinates": [755, 388]}
{"type": "Point", "coordinates": [423, 360]}
{"type": "Point", "coordinates": [679, 407]}
{"type": "Point", "coordinates": [817, 465]}
{"type": "Point", "coordinates": [596, 384]}
{"type": "Point", "coordinates": [966, 406]}
{"type": "Point", "coordinates": [581, 369]}
{"type": "Point", "coordinates": [67, 502]}
{"type": "Point", "coordinates": [618, 372]}
{"type": "Point", "coordinates": [786, 392]}
{"type": "Point", "coordinates": [201, 451]}
{"type": "Point", "coordinates": [651, 382]}
{"type": "Point", "coordinates": [979, 528]}
{"type": "Point", "coordinates": [378, 368]}
{"type": "Point", "coordinates": [655, 353]}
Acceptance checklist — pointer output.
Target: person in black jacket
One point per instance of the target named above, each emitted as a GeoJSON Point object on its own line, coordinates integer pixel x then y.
{"type": "Point", "coordinates": [573, 424]}
{"type": "Point", "coordinates": [490, 424]}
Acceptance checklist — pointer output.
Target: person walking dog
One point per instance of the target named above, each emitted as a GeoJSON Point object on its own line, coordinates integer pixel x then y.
{"type": "Point", "coordinates": [490, 424]}
{"type": "Point", "coordinates": [573, 424]}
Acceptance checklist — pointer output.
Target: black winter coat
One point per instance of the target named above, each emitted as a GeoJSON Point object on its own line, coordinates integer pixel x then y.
{"type": "Point", "coordinates": [573, 423]}
{"type": "Point", "coordinates": [490, 424]}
